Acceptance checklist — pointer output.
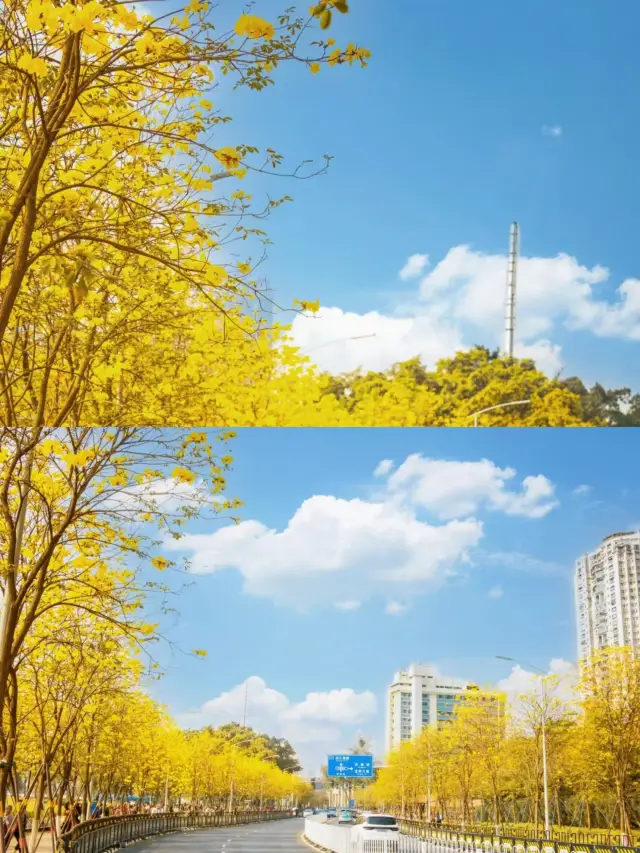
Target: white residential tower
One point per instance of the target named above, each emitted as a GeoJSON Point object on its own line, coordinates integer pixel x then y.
{"type": "Point", "coordinates": [418, 697]}
{"type": "Point", "coordinates": [607, 590]}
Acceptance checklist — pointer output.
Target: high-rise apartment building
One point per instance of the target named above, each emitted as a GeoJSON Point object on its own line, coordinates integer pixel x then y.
{"type": "Point", "coordinates": [419, 697]}
{"type": "Point", "coordinates": [607, 592]}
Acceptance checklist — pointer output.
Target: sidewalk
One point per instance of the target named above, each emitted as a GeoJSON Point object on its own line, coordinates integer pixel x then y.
{"type": "Point", "coordinates": [44, 844]}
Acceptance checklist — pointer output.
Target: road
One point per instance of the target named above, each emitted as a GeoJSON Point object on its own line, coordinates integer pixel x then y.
{"type": "Point", "coordinates": [278, 836]}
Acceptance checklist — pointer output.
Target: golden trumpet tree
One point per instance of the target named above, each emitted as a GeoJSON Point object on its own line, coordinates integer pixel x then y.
{"type": "Point", "coordinates": [610, 684]}
{"type": "Point", "coordinates": [78, 509]}
{"type": "Point", "coordinates": [483, 767]}
{"type": "Point", "coordinates": [216, 771]}
{"type": "Point", "coordinates": [282, 388]}
{"type": "Point", "coordinates": [410, 395]}
{"type": "Point", "coordinates": [71, 666]}
{"type": "Point", "coordinates": [118, 742]}
{"type": "Point", "coordinates": [116, 245]}
{"type": "Point", "coordinates": [481, 727]}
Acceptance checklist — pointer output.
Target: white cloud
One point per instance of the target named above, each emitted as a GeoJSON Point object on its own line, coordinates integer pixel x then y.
{"type": "Point", "coordinates": [395, 608]}
{"type": "Point", "coordinates": [337, 553]}
{"type": "Point", "coordinates": [460, 302]}
{"type": "Point", "coordinates": [561, 687]}
{"type": "Point", "coordinates": [551, 130]}
{"type": "Point", "coordinates": [329, 336]}
{"type": "Point", "coordinates": [384, 467]}
{"type": "Point", "coordinates": [314, 725]}
{"type": "Point", "coordinates": [582, 490]}
{"type": "Point", "coordinates": [496, 592]}
{"type": "Point", "coordinates": [356, 546]}
{"type": "Point", "coordinates": [515, 560]}
{"type": "Point", "coordinates": [414, 266]}
{"type": "Point", "coordinates": [343, 707]}
{"type": "Point", "coordinates": [451, 489]}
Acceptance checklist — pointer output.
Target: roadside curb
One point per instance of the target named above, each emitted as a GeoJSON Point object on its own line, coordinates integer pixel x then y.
{"type": "Point", "coordinates": [315, 846]}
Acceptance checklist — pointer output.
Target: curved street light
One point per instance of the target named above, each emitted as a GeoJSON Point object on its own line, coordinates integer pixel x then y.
{"type": "Point", "coordinates": [543, 733]}
{"type": "Point", "coordinates": [499, 406]}
{"type": "Point", "coordinates": [341, 341]}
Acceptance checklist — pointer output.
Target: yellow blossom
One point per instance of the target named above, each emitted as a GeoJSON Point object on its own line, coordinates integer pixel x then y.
{"type": "Point", "coordinates": [33, 64]}
{"type": "Point", "coordinates": [253, 27]}
{"type": "Point", "coordinates": [183, 475]}
{"type": "Point", "coordinates": [229, 157]}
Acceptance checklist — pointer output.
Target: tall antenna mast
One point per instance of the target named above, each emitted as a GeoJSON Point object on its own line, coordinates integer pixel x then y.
{"type": "Point", "coordinates": [510, 306]}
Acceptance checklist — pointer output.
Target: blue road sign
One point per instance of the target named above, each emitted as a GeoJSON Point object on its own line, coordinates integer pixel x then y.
{"type": "Point", "coordinates": [350, 766]}
{"type": "Point", "coordinates": [352, 804]}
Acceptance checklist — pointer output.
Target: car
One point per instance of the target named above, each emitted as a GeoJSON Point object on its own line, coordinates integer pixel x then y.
{"type": "Point", "coordinates": [308, 813]}
{"type": "Point", "coordinates": [345, 816]}
{"type": "Point", "coordinates": [374, 826]}
{"type": "Point", "coordinates": [332, 813]}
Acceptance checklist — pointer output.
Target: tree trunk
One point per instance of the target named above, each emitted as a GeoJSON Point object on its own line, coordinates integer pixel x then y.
{"type": "Point", "coordinates": [37, 811]}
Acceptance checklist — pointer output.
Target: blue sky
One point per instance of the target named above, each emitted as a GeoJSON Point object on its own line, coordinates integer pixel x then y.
{"type": "Point", "coordinates": [441, 142]}
{"type": "Point", "coordinates": [264, 604]}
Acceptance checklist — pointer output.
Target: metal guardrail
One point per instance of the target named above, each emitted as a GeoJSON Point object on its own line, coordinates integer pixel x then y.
{"type": "Point", "coordinates": [599, 837]}
{"type": "Point", "coordinates": [110, 833]}
{"type": "Point", "coordinates": [489, 842]}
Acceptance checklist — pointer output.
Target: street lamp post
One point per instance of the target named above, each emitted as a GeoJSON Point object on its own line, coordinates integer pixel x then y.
{"type": "Point", "coordinates": [543, 733]}
{"type": "Point", "coordinates": [429, 780]}
{"type": "Point", "coordinates": [234, 745]}
{"type": "Point", "coordinates": [499, 406]}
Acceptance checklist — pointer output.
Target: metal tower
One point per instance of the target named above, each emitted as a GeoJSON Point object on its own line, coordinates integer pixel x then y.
{"type": "Point", "coordinates": [510, 303]}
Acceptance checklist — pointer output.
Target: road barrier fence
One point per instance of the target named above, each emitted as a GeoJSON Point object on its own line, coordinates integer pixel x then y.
{"type": "Point", "coordinates": [418, 837]}
{"type": "Point", "coordinates": [110, 833]}
{"type": "Point", "coordinates": [486, 841]}
{"type": "Point", "coordinates": [343, 839]}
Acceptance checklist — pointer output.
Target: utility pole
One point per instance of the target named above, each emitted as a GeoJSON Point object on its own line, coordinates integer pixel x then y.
{"type": "Point", "coordinates": [510, 306]}
{"type": "Point", "coordinates": [429, 779]}
{"type": "Point", "coordinates": [166, 792]}
{"type": "Point", "coordinates": [234, 747]}
{"type": "Point", "coordinates": [232, 785]}
{"type": "Point", "coordinates": [545, 781]}
{"type": "Point", "coordinates": [543, 735]}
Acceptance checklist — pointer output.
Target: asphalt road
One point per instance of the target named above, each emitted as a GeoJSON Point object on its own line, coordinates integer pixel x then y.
{"type": "Point", "coordinates": [278, 836]}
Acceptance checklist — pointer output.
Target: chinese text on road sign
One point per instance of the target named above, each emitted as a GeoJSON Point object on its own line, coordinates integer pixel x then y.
{"type": "Point", "coordinates": [350, 766]}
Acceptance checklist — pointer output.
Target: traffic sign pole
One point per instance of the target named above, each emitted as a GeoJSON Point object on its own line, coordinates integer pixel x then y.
{"type": "Point", "coordinates": [348, 768]}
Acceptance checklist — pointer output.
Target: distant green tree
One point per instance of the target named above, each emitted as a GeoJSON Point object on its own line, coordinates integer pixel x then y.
{"type": "Point", "coordinates": [285, 755]}
{"type": "Point", "coordinates": [245, 737]}
{"type": "Point", "coordinates": [613, 406]}
{"type": "Point", "coordinates": [361, 747]}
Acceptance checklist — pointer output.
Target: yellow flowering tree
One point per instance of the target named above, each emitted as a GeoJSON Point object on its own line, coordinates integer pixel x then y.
{"type": "Point", "coordinates": [79, 510]}
{"type": "Point", "coordinates": [610, 685]}
{"type": "Point", "coordinates": [116, 243]}
{"type": "Point", "coordinates": [451, 395]}
{"type": "Point", "coordinates": [485, 768]}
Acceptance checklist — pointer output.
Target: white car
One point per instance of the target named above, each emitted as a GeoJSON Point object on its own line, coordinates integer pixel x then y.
{"type": "Point", "coordinates": [345, 816]}
{"type": "Point", "coordinates": [374, 826]}
{"type": "Point", "coordinates": [307, 813]}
